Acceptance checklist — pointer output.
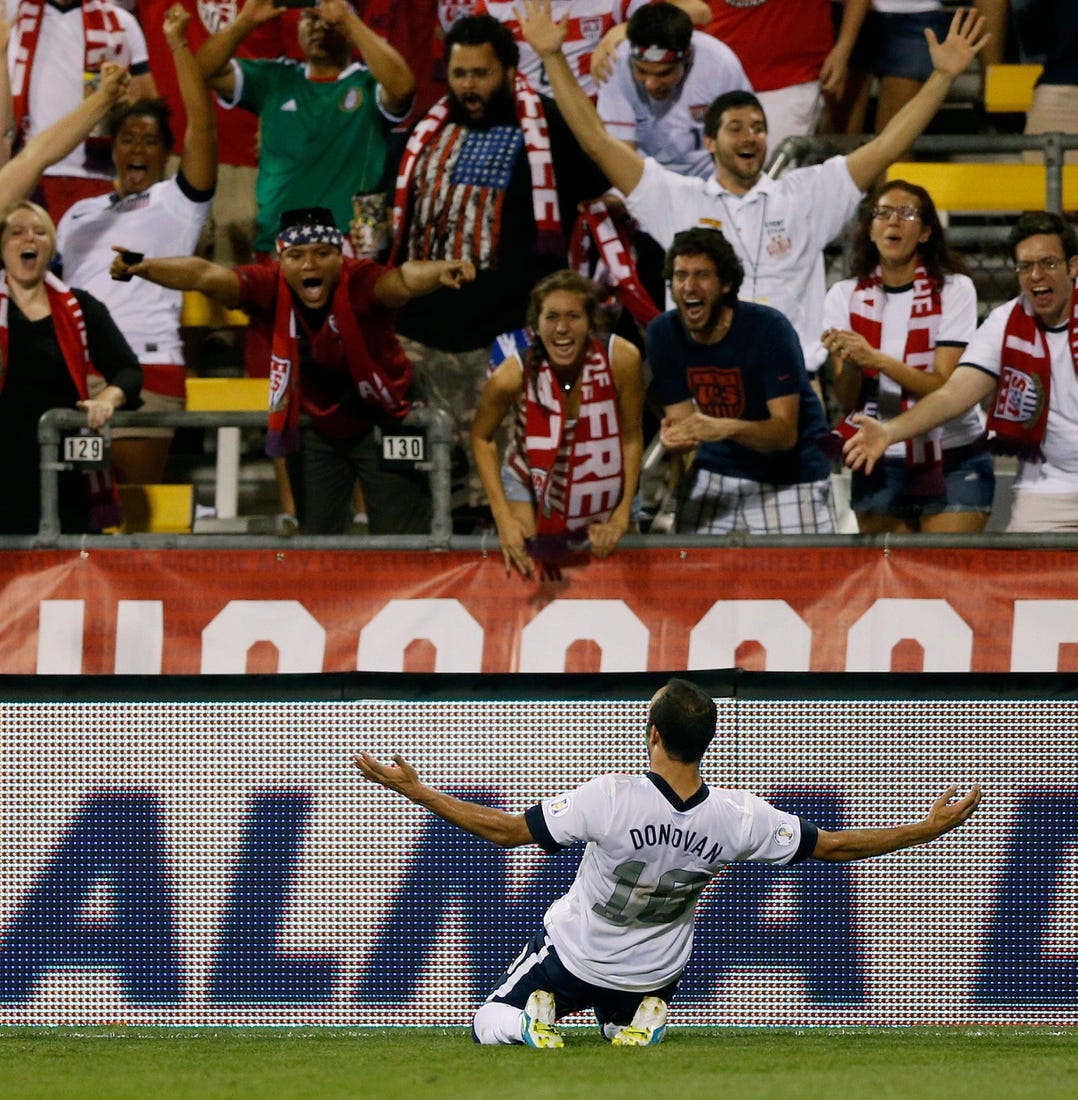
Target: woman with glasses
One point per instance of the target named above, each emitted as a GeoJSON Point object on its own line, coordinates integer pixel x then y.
{"type": "Point", "coordinates": [895, 332]}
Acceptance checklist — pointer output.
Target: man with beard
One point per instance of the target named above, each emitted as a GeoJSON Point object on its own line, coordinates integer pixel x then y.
{"type": "Point", "coordinates": [733, 385]}
{"type": "Point", "coordinates": [492, 175]}
{"type": "Point", "coordinates": [324, 122]}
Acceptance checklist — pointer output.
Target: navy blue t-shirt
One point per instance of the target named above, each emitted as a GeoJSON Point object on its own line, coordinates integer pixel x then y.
{"type": "Point", "coordinates": [758, 360]}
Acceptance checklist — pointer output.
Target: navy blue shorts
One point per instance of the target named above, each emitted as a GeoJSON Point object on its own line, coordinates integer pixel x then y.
{"type": "Point", "coordinates": [538, 967]}
{"type": "Point", "coordinates": [893, 43]}
{"type": "Point", "coordinates": [971, 484]}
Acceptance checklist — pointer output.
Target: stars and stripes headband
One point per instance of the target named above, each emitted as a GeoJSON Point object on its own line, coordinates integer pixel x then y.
{"type": "Point", "coordinates": [658, 55]}
{"type": "Point", "coordinates": [309, 234]}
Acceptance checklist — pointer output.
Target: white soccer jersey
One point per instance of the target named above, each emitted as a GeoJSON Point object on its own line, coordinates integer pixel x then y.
{"type": "Point", "coordinates": [957, 323]}
{"type": "Point", "coordinates": [161, 221]}
{"type": "Point", "coordinates": [672, 130]}
{"type": "Point", "coordinates": [1058, 473]}
{"type": "Point", "coordinates": [589, 20]}
{"type": "Point", "coordinates": [56, 80]}
{"type": "Point", "coordinates": [627, 921]}
{"type": "Point", "coordinates": [778, 230]}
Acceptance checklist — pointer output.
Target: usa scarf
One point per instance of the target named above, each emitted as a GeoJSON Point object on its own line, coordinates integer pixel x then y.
{"type": "Point", "coordinates": [1018, 418]}
{"type": "Point", "coordinates": [532, 119]}
{"type": "Point", "coordinates": [103, 39]}
{"type": "Point", "coordinates": [580, 484]}
{"type": "Point", "coordinates": [69, 324]}
{"type": "Point", "coordinates": [378, 387]}
{"type": "Point", "coordinates": [595, 227]}
{"type": "Point", "coordinates": [924, 453]}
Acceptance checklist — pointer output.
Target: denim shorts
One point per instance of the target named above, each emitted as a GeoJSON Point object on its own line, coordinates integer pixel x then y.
{"type": "Point", "coordinates": [971, 484]}
{"type": "Point", "coordinates": [893, 43]}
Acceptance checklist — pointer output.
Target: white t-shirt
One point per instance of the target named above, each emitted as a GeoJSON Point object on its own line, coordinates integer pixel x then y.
{"type": "Point", "coordinates": [589, 20]}
{"type": "Point", "coordinates": [56, 79]}
{"type": "Point", "coordinates": [957, 323]}
{"type": "Point", "coordinates": [672, 130]}
{"type": "Point", "coordinates": [161, 221]}
{"type": "Point", "coordinates": [627, 921]}
{"type": "Point", "coordinates": [778, 230]}
{"type": "Point", "coordinates": [1059, 471]}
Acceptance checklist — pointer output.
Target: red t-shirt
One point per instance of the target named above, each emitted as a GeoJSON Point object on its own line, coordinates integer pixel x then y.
{"type": "Point", "coordinates": [327, 390]}
{"type": "Point", "coordinates": [779, 42]}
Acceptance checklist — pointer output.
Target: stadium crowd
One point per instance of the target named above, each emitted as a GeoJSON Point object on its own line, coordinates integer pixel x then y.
{"type": "Point", "coordinates": [552, 220]}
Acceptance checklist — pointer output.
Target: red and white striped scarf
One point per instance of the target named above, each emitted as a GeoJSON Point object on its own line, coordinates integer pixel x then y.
{"type": "Point", "coordinates": [1018, 418]}
{"type": "Point", "coordinates": [532, 119]}
{"type": "Point", "coordinates": [924, 453]}
{"type": "Point", "coordinates": [596, 228]}
{"type": "Point", "coordinates": [103, 39]}
{"type": "Point", "coordinates": [69, 324]}
{"type": "Point", "coordinates": [584, 487]}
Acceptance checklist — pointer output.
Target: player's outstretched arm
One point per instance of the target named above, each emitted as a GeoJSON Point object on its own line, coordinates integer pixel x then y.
{"type": "Point", "coordinates": [505, 830]}
{"type": "Point", "coordinates": [947, 813]}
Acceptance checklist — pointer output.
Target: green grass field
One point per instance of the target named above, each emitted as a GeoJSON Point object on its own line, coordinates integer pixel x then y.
{"type": "Point", "coordinates": [115, 1063]}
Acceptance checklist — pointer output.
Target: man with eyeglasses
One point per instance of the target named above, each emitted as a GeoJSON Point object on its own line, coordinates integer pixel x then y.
{"type": "Point", "coordinates": [1025, 357]}
{"type": "Point", "coordinates": [778, 227]}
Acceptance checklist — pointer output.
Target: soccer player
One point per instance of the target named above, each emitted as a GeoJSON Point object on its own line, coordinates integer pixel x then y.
{"type": "Point", "coordinates": [620, 939]}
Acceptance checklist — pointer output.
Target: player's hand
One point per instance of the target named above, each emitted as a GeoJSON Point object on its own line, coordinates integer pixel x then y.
{"type": "Point", "coordinates": [175, 25]}
{"type": "Point", "coordinates": [867, 446]}
{"type": "Point", "coordinates": [602, 58]}
{"type": "Point", "coordinates": [538, 27]}
{"type": "Point", "coordinates": [455, 273]}
{"type": "Point", "coordinates": [948, 811]}
{"type": "Point", "coordinates": [965, 39]}
{"type": "Point", "coordinates": [399, 776]}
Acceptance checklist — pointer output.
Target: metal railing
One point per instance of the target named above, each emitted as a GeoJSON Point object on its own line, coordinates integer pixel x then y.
{"type": "Point", "coordinates": [54, 423]}
{"type": "Point", "coordinates": [1052, 147]}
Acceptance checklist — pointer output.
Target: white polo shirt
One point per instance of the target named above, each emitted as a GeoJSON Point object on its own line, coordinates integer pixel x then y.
{"type": "Point", "coordinates": [672, 130]}
{"type": "Point", "coordinates": [778, 229]}
{"type": "Point", "coordinates": [161, 221]}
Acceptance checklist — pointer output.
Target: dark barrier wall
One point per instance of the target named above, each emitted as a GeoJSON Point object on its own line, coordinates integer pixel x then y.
{"type": "Point", "coordinates": [200, 850]}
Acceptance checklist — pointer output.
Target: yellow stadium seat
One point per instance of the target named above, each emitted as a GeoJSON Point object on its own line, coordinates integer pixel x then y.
{"type": "Point", "coordinates": [1009, 88]}
{"type": "Point", "coordinates": [1010, 188]}
{"type": "Point", "coordinates": [227, 394]}
{"type": "Point", "coordinates": [162, 509]}
{"type": "Point", "coordinates": [198, 311]}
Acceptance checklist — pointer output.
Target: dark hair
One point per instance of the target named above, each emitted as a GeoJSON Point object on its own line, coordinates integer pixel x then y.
{"type": "Point", "coordinates": [660, 25]}
{"type": "Point", "coordinates": [573, 283]}
{"type": "Point", "coordinates": [1035, 223]}
{"type": "Point", "coordinates": [938, 259]}
{"type": "Point", "coordinates": [727, 102]}
{"type": "Point", "coordinates": [710, 243]}
{"type": "Point", "coordinates": [479, 30]}
{"type": "Point", "coordinates": [685, 717]}
{"type": "Point", "coordinates": [157, 109]}
{"type": "Point", "coordinates": [316, 216]}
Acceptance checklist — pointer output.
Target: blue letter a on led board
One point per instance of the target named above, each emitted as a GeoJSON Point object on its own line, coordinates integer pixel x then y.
{"type": "Point", "coordinates": [103, 902]}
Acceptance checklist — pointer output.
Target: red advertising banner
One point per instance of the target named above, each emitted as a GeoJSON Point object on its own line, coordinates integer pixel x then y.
{"type": "Point", "coordinates": [663, 608]}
